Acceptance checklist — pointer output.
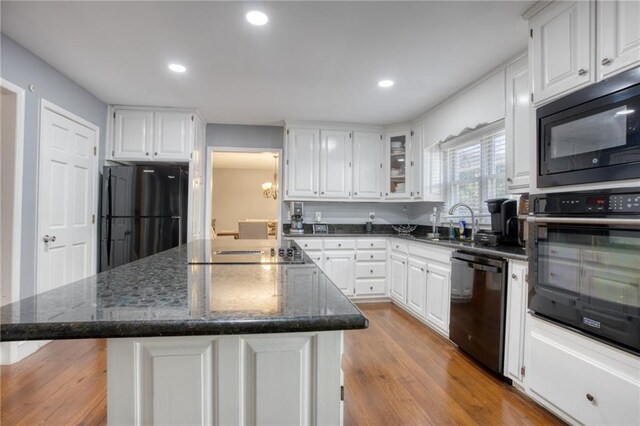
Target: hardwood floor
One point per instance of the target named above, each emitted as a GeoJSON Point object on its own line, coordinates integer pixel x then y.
{"type": "Point", "coordinates": [397, 372]}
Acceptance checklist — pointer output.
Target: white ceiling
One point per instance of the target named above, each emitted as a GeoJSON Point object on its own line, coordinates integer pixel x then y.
{"type": "Point", "coordinates": [244, 160]}
{"type": "Point", "coordinates": [312, 61]}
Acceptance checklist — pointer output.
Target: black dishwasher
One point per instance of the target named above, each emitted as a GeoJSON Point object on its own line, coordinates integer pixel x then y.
{"type": "Point", "coordinates": [478, 304]}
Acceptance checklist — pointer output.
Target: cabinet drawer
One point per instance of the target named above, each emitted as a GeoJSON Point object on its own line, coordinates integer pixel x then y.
{"type": "Point", "coordinates": [309, 244]}
{"type": "Point", "coordinates": [371, 256]}
{"type": "Point", "coordinates": [590, 390]}
{"type": "Point", "coordinates": [315, 255]}
{"type": "Point", "coordinates": [370, 243]}
{"type": "Point", "coordinates": [371, 270]}
{"type": "Point", "coordinates": [370, 287]}
{"type": "Point", "coordinates": [399, 246]}
{"type": "Point", "coordinates": [337, 244]}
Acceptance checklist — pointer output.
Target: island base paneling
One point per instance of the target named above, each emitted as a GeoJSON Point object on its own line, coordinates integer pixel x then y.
{"type": "Point", "coordinates": [292, 378]}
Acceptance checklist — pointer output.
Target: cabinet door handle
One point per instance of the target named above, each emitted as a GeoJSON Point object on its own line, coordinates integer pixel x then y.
{"type": "Point", "coordinates": [582, 71]}
{"type": "Point", "coordinates": [315, 192]}
{"type": "Point", "coordinates": [422, 269]}
{"type": "Point", "coordinates": [322, 193]}
{"type": "Point", "coordinates": [591, 399]}
{"type": "Point", "coordinates": [606, 61]}
{"type": "Point", "coordinates": [514, 276]}
{"type": "Point", "coordinates": [371, 288]}
{"type": "Point", "coordinates": [339, 245]}
{"type": "Point", "coordinates": [372, 256]}
{"type": "Point", "coordinates": [327, 257]}
{"type": "Point", "coordinates": [146, 153]}
{"type": "Point", "coordinates": [155, 153]}
{"type": "Point", "coordinates": [355, 193]}
{"type": "Point", "coordinates": [509, 180]}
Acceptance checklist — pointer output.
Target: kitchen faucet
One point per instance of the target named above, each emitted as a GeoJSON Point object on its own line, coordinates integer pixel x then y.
{"type": "Point", "coordinates": [474, 225]}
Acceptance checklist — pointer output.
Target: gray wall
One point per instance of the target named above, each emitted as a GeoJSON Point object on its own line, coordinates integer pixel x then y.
{"type": "Point", "coordinates": [241, 136]}
{"type": "Point", "coordinates": [22, 68]}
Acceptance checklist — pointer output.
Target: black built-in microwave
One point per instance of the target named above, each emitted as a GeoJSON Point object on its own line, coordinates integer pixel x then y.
{"type": "Point", "coordinates": [592, 135]}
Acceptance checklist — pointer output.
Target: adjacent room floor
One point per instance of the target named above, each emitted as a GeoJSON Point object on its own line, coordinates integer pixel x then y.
{"type": "Point", "coordinates": [397, 371]}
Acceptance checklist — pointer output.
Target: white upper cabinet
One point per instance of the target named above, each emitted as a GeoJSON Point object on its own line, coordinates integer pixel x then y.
{"type": "Point", "coordinates": [173, 136]}
{"type": "Point", "coordinates": [398, 169]}
{"type": "Point", "coordinates": [132, 135]}
{"type": "Point", "coordinates": [561, 45]}
{"type": "Point", "coordinates": [149, 135]}
{"type": "Point", "coordinates": [368, 149]}
{"type": "Point", "coordinates": [618, 36]}
{"type": "Point", "coordinates": [517, 129]}
{"type": "Point", "coordinates": [335, 164]}
{"type": "Point", "coordinates": [302, 163]}
{"type": "Point", "coordinates": [415, 169]}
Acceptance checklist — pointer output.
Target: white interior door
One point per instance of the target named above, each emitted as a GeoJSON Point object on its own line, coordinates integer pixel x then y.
{"type": "Point", "coordinates": [66, 201]}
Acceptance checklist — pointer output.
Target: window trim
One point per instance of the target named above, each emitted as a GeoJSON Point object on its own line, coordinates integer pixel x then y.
{"type": "Point", "coordinates": [469, 138]}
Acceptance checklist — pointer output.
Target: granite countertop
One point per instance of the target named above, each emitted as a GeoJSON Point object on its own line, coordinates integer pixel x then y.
{"type": "Point", "coordinates": [509, 252]}
{"type": "Point", "coordinates": [163, 295]}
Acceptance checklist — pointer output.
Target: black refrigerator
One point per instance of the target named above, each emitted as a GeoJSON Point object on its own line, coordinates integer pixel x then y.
{"type": "Point", "coordinates": [144, 211]}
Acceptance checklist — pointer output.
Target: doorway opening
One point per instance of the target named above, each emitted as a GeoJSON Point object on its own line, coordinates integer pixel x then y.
{"type": "Point", "coordinates": [245, 198]}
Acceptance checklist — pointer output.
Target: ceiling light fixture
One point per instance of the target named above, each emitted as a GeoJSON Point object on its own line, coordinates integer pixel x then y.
{"type": "Point", "coordinates": [256, 17]}
{"type": "Point", "coordinates": [385, 83]}
{"type": "Point", "coordinates": [177, 68]}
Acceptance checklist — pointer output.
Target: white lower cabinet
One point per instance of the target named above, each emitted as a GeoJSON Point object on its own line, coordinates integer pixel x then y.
{"type": "Point", "coordinates": [516, 313]}
{"type": "Point", "coordinates": [580, 379]}
{"type": "Point", "coordinates": [417, 285]}
{"type": "Point", "coordinates": [398, 277]}
{"type": "Point", "coordinates": [438, 296]}
{"type": "Point", "coordinates": [339, 266]}
{"type": "Point", "coordinates": [287, 378]}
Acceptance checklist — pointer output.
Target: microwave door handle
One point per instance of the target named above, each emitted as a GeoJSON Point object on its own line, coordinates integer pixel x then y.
{"type": "Point", "coordinates": [584, 220]}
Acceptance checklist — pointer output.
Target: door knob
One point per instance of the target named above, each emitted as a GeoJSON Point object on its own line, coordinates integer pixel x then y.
{"type": "Point", "coordinates": [47, 238]}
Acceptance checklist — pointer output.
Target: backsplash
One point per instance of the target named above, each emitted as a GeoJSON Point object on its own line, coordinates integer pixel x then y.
{"type": "Point", "coordinates": [358, 213]}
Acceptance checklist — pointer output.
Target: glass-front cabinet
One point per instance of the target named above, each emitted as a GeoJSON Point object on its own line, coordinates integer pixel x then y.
{"type": "Point", "coordinates": [398, 171]}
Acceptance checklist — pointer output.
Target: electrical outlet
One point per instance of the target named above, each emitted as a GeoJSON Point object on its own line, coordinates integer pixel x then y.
{"type": "Point", "coordinates": [318, 216]}
{"type": "Point", "coordinates": [372, 216]}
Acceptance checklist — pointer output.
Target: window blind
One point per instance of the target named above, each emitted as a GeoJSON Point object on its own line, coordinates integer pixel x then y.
{"type": "Point", "coordinates": [474, 171]}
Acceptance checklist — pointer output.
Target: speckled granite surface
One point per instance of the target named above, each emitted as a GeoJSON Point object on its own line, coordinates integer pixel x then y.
{"type": "Point", "coordinates": [162, 295]}
{"type": "Point", "coordinates": [509, 252]}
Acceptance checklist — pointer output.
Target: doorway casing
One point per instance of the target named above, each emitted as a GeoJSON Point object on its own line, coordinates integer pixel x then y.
{"type": "Point", "coordinates": [209, 181]}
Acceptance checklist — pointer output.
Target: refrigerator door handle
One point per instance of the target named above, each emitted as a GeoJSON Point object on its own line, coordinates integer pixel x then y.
{"type": "Point", "coordinates": [108, 224]}
{"type": "Point", "coordinates": [179, 228]}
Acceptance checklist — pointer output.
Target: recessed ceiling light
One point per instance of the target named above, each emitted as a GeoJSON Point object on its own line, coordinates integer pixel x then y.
{"type": "Point", "coordinates": [256, 17]}
{"type": "Point", "coordinates": [177, 68]}
{"type": "Point", "coordinates": [385, 83]}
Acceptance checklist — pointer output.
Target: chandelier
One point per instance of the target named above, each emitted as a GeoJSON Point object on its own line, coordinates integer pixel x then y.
{"type": "Point", "coordinates": [270, 189]}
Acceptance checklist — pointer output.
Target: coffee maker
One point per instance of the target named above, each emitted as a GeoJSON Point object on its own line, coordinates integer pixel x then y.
{"type": "Point", "coordinates": [296, 210]}
{"type": "Point", "coordinates": [504, 223]}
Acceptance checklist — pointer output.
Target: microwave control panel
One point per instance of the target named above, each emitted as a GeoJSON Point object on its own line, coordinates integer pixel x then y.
{"type": "Point", "coordinates": [581, 203]}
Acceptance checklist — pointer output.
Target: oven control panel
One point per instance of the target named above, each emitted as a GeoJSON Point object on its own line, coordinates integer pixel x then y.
{"type": "Point", "coordinates": [588, 203]}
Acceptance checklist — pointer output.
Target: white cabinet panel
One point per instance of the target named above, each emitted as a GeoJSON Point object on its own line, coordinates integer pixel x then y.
{"type": "Point", "coordinates": [265, 360]}
{"type": "Point", "coordinates": [515, 321]}
{"type": "Point", "coordinates": [370, 270]}
{"type": "Point", "coordinates": [339, 266]}
{"type": "Point", "coordinates": [172, 136]}
{"type": "Point", "coordinates": [335, 164]}
{"type": "Point", "coordinates": [339, 244]}
{"type": "Point", "coordinates": [370, 243]}
{"type": "Point", "coordinates": [303, 157]}
{"type": "Point", "coordinates": [517, 129]}
{"type": "Point", "coordinates": [585, 380]}
{"type": "Point", "coordinates": [368, 149]}
{"type": "Point", "coordinates": [309, 243]}
{"type": "Point", "coordinates": [370, 287]}
{"type": "Point", "coordinates": [438, 296]}
{"type": "Point", "coordinates": [415, 169]}
{"type": "Point", "coordinates": [133, 135]}
{"type": "Point", "coordinates": [398, 277]}
{"type": "Point", "coordinates": [417, 285]}
{"type": "Point", "coordinates": [562, 48]}
{"type": "Point", "coordinates": [618, 36]}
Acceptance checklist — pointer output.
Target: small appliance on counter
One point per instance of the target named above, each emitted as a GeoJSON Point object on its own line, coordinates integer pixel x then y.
{"type": "Point", "coordinates": [297, 215]}
{"type": "Point", "coordinates": [504, 223]}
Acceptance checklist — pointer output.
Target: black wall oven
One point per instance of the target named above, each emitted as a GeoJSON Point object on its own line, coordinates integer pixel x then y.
{"type": "Point", "coordinates": [584, 266]}
{"type": "Point", "coordinates": [592, 135]}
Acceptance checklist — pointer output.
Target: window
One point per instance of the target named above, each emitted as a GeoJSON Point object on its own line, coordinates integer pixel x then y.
{"type": "Point", "coordinates": [474, 170]}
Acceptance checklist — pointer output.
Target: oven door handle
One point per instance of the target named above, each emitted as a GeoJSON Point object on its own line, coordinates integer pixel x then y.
{"type": "Point", "coordinates": [584, 220]}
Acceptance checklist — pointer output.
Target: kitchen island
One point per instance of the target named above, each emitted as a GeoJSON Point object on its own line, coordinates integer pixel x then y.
{"type": "Point", "coordinates": [204, 343]}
